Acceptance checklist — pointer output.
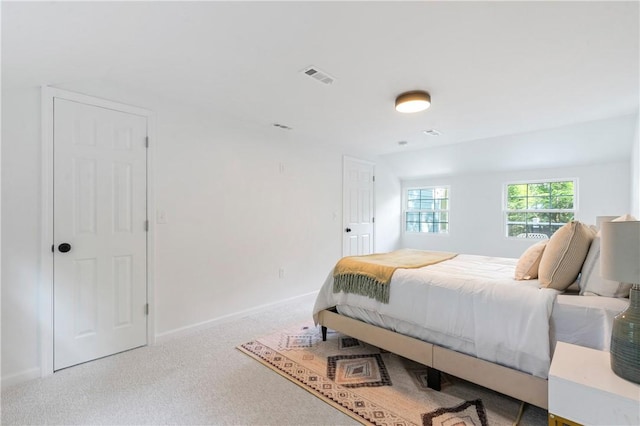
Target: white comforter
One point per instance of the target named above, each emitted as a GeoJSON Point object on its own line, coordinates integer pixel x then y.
{"type": "Point", "coordinates": [469, 303]}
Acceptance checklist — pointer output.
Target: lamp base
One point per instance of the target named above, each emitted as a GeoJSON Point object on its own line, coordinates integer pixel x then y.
{"type": "Point", "coordinates": [625, 339]}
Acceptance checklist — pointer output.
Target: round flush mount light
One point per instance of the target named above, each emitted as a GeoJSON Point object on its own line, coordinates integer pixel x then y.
{"type": "Point", "coordinates": [414, 101]}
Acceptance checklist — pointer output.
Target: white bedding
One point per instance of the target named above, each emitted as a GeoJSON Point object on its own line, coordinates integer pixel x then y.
{"type": "Point", "coordinates": [473, 305]}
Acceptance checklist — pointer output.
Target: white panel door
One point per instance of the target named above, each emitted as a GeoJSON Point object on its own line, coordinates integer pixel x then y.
{"type": "Point", "coordinates": [358, 181]}
{"type": "Point", "coordinates": [100, 241]}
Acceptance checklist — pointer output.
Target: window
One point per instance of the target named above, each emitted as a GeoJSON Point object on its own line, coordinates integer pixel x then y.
{"type": "Point", "coordinates": [538, 209]}
{"type": "Point", "coordinates": [427, 210]}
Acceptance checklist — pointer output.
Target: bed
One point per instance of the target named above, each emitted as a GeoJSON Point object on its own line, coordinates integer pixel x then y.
{"type": "Point", "coordinates": [450, 316]}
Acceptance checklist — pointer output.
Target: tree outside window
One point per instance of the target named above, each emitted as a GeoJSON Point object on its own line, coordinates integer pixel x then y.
{"type": "Point", "coordinates": [538, 209]}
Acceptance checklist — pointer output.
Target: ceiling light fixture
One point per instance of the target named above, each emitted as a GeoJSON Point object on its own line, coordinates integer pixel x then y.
{"type": "Point", "coordinates": [414, 101]}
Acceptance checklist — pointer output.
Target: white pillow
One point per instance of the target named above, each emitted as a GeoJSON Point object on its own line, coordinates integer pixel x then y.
{"type": "Point", "coordinates": [592, 284]}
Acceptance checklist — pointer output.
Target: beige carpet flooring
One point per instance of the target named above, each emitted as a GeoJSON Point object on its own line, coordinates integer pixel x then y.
{"type": "Point", "coordinates": [200, 379]}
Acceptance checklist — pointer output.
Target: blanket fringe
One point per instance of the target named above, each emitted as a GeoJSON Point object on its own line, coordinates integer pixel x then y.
{"type": "Point", "coordinates": [362, 285]}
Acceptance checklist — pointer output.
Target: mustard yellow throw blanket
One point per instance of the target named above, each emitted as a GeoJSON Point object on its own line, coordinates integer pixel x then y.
{"type": "Point", "coordinates": [370, 275]}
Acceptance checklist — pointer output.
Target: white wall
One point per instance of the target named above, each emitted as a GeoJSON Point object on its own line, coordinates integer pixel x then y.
{"type": "Point", "coordinates": [476, 218]}
{"type": "Point", "coordinates": [388, 225]}
{"type": "Point", "coordinates": [20, 232]}
{"type": "Point", "coordinates": [635, 171]}
{"type": "Point", "coordinates": [234, 219]}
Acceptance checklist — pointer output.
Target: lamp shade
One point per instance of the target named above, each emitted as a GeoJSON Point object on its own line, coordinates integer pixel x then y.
{"type": "Point", "coordinates": [601, 219]}
{"type": "Point", "coordinates": [413, 101]}
{"type": "Point", "coordinates": [620, 251]}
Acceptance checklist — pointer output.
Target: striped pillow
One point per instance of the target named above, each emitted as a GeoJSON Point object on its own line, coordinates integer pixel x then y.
{"type": "Point", "coordinates": [564, 255]}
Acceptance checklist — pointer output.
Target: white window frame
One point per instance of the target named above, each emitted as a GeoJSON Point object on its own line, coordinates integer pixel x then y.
{"type": "Point", "coordinates": [506, 211]}
{"type": "Point", "coordinates": [405, 210]}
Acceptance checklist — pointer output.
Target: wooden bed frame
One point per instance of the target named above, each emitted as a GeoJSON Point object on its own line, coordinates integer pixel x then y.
{"type": "Point", "coordinates": [522, 386]}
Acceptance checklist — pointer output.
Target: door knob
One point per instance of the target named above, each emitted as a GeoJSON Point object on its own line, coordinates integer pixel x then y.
{"type": "Point", "coordinates": [347, 230]}
{"type": "Point", "coordinates": [64, 247]}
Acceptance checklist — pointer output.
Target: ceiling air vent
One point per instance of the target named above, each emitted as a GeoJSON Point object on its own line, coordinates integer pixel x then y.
{"type": "Point", "coordinates": [282, 126]}
{"type": "Point", "coordinates": [318, 74]}
{"type": "Point", "coordinates": [432, 132]}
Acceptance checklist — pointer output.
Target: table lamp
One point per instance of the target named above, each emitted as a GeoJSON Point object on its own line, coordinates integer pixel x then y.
{"type": "Point", "coordinates": [601, 219]}
{"type": "Point", "coordinates": [620, 261]}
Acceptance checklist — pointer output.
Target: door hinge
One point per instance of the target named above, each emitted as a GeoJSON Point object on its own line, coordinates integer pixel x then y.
{"type": "Point", "coordinates": [373, 220]}
{"type": "Point", "coordinates": [146, 309]}
{"type": "Point", "coordinates": [374, 178]}
{"type": "Point", "coordinates": [146, 225]}
{"type": "Point", "coordinates": [146, 142]}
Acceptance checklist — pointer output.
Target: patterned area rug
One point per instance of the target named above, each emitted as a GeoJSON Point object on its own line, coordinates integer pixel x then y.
{"type": "Point", "coordinates": [377, 387]}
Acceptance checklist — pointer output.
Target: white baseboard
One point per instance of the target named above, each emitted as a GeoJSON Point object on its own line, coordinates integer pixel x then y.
{"type": "Point", "coordinates": [20, 377]}
{"type": "Point", "coordinates": [34, 373]}
{"type": "Point", "coordinates": [189, 329]}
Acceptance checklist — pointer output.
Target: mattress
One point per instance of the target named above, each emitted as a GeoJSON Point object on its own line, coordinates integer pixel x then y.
{"type": "Point", "coordinates": [479, 328]}
{"type": "Point", "coordinates": [584, 320]}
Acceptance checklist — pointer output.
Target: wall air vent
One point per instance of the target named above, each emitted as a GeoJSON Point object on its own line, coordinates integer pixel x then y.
{"type": "Point", "coordinates": [318, 74]}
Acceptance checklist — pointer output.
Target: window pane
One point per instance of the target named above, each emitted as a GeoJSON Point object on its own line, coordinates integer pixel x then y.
{"type": "Point", "coordinates": [427, 204]}
{"type": "Point", "coordinates": [413, 194]}
{"type": "Point", "coordinates": [562, 202]}
{"type": "Point", "coordinates": [413, 227]}
{"type": "Point", "coordinates": [426, 194]}
{"type": "Point", "coordinates": [538, 203]}
{"type": "Point", "coordinates": [516, 197]}
{"type": "Point", "coordinates": [536, 189]}
{"type": "Point", "coordinates": [413, 222]}
{"type": "Point", "coordinates": [516, 217]}
{"type": "Point", "coordinates": [514, 230]}
{"type": "Point", "coordinates": [562, 188]}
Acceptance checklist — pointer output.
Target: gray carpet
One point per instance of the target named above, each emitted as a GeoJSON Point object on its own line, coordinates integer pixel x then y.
{"type": "Point", "coordinates": [200, 379]}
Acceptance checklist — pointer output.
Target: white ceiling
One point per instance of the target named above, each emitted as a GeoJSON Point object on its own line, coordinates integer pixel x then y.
{"type": "Point", "coordinates": [492, 68]}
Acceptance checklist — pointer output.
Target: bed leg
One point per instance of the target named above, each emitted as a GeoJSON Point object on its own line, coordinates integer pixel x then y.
{"type": "Point", "coordinates": [324, 333]}
{"type": "Point", "coordinates": [433, 378]}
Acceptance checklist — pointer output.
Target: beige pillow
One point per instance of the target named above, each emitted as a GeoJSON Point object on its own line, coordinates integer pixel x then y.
{"type": "Point", "coordinates": [527, 267]}
{"type": "Point", "coordinates": [564, 255]}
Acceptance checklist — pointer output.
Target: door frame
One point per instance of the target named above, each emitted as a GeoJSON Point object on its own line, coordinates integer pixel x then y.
{"type": "Point", "coordinates": [346, 158]}
{"type": "Point", "coordinates": [45, 299]}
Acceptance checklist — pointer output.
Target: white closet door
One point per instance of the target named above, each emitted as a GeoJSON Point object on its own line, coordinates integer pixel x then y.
{"type": "Point", "coordinates": [100, 240]}
{"type": "Point", "coordinates": [358, 180]}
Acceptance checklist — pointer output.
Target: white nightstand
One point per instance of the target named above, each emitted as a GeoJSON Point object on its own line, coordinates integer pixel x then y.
{"type": "Point", "coordinates": [583, 389]}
